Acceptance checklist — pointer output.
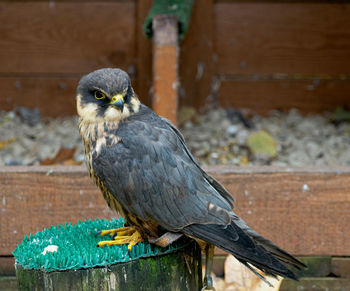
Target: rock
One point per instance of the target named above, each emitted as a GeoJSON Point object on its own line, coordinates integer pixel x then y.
{"type": "Point", "coordinates": [298, 158]}
{"type": "Point", "coordinates": [28, 116]}
{"type": "Point", "coordinates": [232, 129]}
{"type": "Point", "coordinates": [239, 277]}
{"type": "Point", "coordinates": [313, 149]}
{"type": "Point", "coordinates": [186, 114]}
{"type": "Point", "coordinates": [242, 137]}
{"type": "Point", "coordinates": [262, 145]}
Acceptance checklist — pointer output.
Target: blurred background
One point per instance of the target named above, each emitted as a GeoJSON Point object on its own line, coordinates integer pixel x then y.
{"type": "Point", "coordinates": [253, 83]}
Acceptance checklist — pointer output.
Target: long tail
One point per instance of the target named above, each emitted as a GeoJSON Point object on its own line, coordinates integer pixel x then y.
{"type": "Point", "coordinates": [247, 246]}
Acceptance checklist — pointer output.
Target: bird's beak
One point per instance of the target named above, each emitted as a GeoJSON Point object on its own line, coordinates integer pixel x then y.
{"type": "Point", "coordinates": [118, 101]}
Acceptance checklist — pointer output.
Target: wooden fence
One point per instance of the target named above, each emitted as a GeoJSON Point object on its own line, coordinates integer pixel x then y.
{"type": "Point", "coordinates": [257, 54]}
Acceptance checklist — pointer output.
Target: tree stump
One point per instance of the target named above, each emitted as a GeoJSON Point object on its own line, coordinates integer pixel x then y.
{"type": "Point", "coordinates": [178, 268]}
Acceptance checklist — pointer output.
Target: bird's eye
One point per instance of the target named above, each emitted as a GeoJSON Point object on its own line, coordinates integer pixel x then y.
{"type": "Point", "coordinates": [99, 95]}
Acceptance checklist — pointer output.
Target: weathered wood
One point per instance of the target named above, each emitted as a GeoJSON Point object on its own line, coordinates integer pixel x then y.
{"type": "Point", "coordinates": [180, 270]}
{"type": "Point", "coordinates": [143, 54]}
{"type": "Point", "coordinates": [8, 283]}
{"type": "Point", "coordinates": [306, 95]}
{"type": "Point", "coordinates": [33, 198]}
{"type": "Point", "coordinates": [317, 266]}
{"type": "Point", "coordinates": [197, 56]}
{"type": "Point", "coordinates": [341, 267]}
{"type": "Point", "coordinates": [263, 38]}
{"type": "Point", "coordinates": [7, 266]}
{"type": "Point", "coordinates": [165, 66]}
{"type": "Point", "coordinates": [312, 220]}
{"type": "Point", "coordinates": [66, 37]}
{"type": "Point", "coordinates": [54, 96]}
{"type": "Point", "coordinates": [319, 284]}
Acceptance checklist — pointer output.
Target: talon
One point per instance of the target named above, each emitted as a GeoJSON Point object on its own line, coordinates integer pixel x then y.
{"type": "Point", "coordinates": [121, 236]}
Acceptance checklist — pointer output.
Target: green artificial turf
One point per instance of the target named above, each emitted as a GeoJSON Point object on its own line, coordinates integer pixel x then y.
{"type": "Point", "coordinates": [77, 247]}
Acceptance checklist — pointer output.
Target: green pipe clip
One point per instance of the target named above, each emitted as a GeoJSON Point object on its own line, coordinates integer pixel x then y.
{"type": "Point", "coordinates": [181, 8]}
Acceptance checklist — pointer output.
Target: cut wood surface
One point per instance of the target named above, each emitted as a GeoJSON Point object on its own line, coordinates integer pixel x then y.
{"type": "Point", "coordinates": [305, 211]}
{"type": "Point", "coordinates": [304, 38]}
{"type": "Point", "coordinates": [66, 37]}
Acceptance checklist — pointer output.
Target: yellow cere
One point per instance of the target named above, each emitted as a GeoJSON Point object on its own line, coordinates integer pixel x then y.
{"type": "Point", "coordinates": [117, 97]}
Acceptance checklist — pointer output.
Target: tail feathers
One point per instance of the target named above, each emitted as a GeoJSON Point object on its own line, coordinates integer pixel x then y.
{"type": "Point", "coordinates": [234, 240]}
{"type": "Point", "coordinates": [269, 246]}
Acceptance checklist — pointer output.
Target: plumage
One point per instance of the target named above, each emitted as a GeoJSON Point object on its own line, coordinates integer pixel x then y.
{"type": "Point", "coordinates": [146, 172]}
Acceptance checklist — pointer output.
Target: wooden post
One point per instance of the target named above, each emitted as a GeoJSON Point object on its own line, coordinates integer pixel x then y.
{"type": "Point", "coordinates": [165, 66]}
{"type": "Point", "coordinates": [179, 270]}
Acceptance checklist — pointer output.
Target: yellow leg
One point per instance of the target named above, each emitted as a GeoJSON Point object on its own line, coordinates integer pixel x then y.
{"type": "Point", "coordinates": [121, 236]}
{"type": "Point", "coordinates": [117, 231]}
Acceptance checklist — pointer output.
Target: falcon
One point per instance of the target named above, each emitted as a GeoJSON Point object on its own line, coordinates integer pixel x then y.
{"type": "Point", "coordinates": [145, 171]}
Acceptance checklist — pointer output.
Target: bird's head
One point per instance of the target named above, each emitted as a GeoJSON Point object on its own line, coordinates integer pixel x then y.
{"type": "Point", "coordinates": [106, 95]}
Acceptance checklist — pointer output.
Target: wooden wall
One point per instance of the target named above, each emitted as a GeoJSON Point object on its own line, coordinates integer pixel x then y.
{"type": "Point", "coordinates": [305, 211]}
{"type": "Point", "coordinates": [46, 46]}
{"type": "Point", "coordinates": [268, 55]}
{"type": "Point", "coordinates": [258, 54]}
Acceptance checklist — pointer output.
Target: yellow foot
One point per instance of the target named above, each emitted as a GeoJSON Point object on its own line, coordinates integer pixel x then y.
{"type": "Point", "coordinates": [121, 236]}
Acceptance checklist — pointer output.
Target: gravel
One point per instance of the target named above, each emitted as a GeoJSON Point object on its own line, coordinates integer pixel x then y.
{"type": "Point", "coordinates": [218, 137]}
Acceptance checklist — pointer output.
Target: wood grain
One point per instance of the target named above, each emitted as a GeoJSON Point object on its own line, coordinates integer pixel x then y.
{"type": "Point", "coordinates": [309, 96]}
{"type": "Point", "coordinates": [165, 66]}
{"type": "Point", "coordinates": [271, 200]}
{"type": "Point", "coordinates": [197, 56]}
{"type": "Point", "coordinates": [66, 37]}
{"type": "Point", "coordinates": [35, 198]}
{"type": "Point", "coordinates": [143, 54]}
{"type": "Point", "coordinates": [54, 96]}
{"type": "Point", "coordinates": [305, 38]}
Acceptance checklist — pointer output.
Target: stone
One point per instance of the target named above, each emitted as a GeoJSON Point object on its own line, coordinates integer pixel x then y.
{"type": "Point", "coordinates": [232, 129]}
{"type": "Point", "coordinates": [239, 277]}
{"type": "Point", "coordinates": [262, 144]}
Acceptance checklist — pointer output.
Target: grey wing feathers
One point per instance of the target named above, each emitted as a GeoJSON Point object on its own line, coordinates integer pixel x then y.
{"type": "Point", "coordinates": [152, 174]}
{"type": "Point", "coordinates": [218, 187]}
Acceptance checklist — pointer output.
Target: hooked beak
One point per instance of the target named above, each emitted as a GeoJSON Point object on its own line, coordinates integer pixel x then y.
{"type": "Point", "coordinates": [118, 101]}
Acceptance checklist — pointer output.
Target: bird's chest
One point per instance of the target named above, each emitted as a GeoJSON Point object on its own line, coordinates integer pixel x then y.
{"type": "Point", "coordinates": [95, 138]}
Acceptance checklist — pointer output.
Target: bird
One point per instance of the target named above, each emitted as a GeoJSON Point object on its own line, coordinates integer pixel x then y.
{"type": "Point", "coordinates": [146, 172]}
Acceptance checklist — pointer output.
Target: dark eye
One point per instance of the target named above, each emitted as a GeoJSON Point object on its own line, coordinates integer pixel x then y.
{"type": "Point", "coordinates": [99, 95]}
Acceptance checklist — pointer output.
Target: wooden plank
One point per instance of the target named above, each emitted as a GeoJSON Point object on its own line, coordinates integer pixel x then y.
{"type": "Point", "coordinates": [271, 200]}
{"type": "Point", "coordinates": [197, 56]}
{"type": "Point", "coordinates": [305, 38]}
{"type": "Point", "coordinates": [66, 37]}
{"type": "Point", "coordinates": [319, 284]}
{"type": "Point", "coordinates": [143, 54]}
{"type": "Point", "coordinates": [8, 283]}
{"type": "Point", "coordinates": [341, 267]}
{"type": "Point", "coordinates": [306, 95]}
{"type": "Point", "coordinates": [165, 66]}
{"type": "Point", "coordinates": [35, 198]}
{"type": "Point", "coordinates": [7, 266]}
{"type": "Point", "coordinates": [54, 96]}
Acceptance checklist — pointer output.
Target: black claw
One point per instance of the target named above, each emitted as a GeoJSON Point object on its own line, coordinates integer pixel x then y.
{"type": "Point", "coordinates": [114, 235]}
{"type": "Point", "coordinates": [98, 233]}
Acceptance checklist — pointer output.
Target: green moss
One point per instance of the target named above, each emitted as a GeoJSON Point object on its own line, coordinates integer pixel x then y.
{"type": "Point", "coordinates": [77, 247]}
